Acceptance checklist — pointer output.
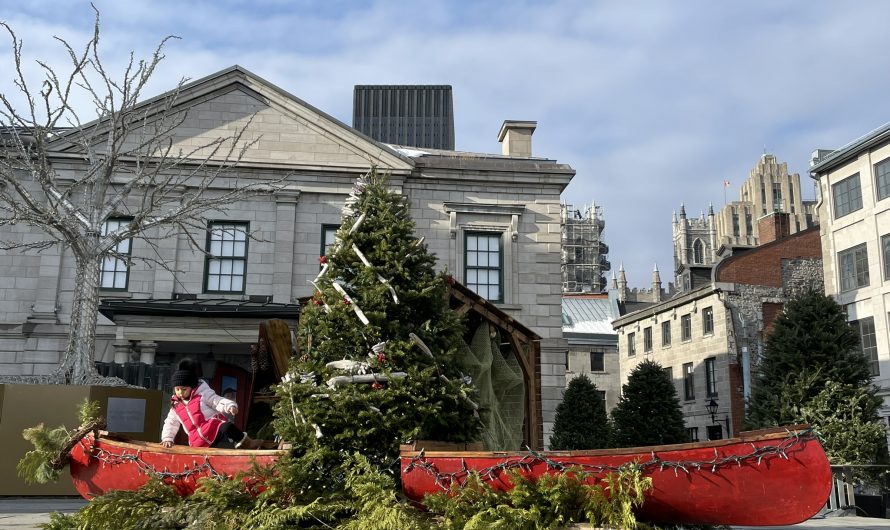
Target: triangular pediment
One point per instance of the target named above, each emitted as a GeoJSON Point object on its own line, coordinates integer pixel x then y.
{"type": "Point", "coordinates": [282, 130]}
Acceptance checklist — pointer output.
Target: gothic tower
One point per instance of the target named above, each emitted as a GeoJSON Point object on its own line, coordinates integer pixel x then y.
{"type": "Point", "coordinates": [694, 248]}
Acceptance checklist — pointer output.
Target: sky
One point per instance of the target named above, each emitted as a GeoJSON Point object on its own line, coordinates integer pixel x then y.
{"type": "Point", "coordinates": [654, 103]}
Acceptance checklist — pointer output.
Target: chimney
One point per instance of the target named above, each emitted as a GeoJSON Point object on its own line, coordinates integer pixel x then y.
{"type": "Point", "coordinates": [516, 138]}
{"type": "Point", "coordinates": [774, 226]}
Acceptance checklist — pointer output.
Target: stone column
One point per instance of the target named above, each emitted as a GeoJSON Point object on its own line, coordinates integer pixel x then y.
{"type": "Point", "coordinates": [45, 307]}
{"type": "Point", "coordinates": [121, 352]}
{"type": "Point", "coordinates": [147, 351]}
{"type": "Point", "coordinates": [164, 284]}
{"type": "Point", "coordinates": [285, 225]}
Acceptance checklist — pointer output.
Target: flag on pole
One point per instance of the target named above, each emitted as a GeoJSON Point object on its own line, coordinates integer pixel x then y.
{"type": "Point", "coordinates": [725, 183]}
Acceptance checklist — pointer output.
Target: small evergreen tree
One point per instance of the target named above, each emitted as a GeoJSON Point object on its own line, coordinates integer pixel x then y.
{"type": "Point", "coordinates": [811, 342]}
{"type": "Point", "coordinates": [648, 412]}
{"type": "Point", "coordinates": [379, 343]}
{"type": "Point", "coordinates": [581, 421]}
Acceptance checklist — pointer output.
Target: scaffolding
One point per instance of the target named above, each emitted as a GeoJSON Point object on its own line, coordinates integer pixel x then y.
{"type": "Point", "coordinates": [584, 253]}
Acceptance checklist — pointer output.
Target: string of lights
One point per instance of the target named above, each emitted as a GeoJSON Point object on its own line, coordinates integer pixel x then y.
{"type": "Point", "coordinates": [107, 458]}
{"type": "Point", "coordinates": [530, 458]}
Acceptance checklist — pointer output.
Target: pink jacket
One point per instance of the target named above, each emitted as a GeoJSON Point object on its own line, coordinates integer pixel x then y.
{"type": "Point", "coordinates": [201, 416]}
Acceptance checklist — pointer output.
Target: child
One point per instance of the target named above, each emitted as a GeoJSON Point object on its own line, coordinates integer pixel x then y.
{"type": "Point", "coordinates": [199, 410]}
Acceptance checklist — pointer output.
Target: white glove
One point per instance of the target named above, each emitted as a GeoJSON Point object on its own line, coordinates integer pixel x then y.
{"type": "Point", "coordinates": [233, 409]}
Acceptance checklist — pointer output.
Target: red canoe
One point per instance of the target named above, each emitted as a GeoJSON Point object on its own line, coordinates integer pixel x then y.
{"type": "Point", "coordinates": [762, 478]}
{"type": "Point", "coordinates": [116, 463]}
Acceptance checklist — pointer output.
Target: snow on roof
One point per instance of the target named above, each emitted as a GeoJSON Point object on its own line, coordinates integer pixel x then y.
{"type": "Point", "coordinates": [587, 314]}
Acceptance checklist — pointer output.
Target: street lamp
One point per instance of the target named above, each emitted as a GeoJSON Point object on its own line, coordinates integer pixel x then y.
{"type": "Point", "coordinates": [712, 409]}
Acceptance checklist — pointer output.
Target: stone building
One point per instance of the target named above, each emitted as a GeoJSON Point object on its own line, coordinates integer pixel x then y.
{"type": "Point", "coordinates": [695, 250]}
{"type": "Point", "coordinates": [854, 208]}
{"type": "Point", "coordinates": [593, 343]}
{"type": "Point", "coordinates": [768, 188]}
{"type": "Point", "coordinates": [505, 206]}
{"type": "Point", "coordinates": [709, 338]}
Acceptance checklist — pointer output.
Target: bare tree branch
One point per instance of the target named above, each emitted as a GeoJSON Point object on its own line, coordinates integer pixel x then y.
{"type": "Point", "coordinates": [128, 163]}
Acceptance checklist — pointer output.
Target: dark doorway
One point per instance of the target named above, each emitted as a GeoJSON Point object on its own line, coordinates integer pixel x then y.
{"type": "Point", "coordinates": [715, 432]}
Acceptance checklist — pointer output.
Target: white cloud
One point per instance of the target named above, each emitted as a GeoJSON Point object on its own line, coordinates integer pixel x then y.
{"type": "Point", "coordinates": [653, 103]}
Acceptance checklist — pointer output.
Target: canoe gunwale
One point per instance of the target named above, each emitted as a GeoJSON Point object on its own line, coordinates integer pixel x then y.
{"type": "Point", "coordinates": [122, 441]}
{"type": "Point", "coordinates": [774, 433]}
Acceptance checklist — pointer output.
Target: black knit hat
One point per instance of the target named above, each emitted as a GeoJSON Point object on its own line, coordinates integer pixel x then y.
{"type": "Point", "coordinates": [185, 374]}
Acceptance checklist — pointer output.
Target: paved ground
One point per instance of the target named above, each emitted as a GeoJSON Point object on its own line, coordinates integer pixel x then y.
{"type": "Point", "coordinates": [20, 513]}
{"type": "Point", "coordinates": [853, 523]}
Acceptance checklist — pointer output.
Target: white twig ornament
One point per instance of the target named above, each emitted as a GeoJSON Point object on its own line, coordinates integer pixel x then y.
{"type": "Point", "coordinates": [355, 308]}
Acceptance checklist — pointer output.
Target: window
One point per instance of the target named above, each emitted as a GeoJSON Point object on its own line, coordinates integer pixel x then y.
{"type": "Point", "coordinates": [602, 396]}
{"type": "Point", "coordinates": [735, 224]}
{"type": "Point", "coordinates": [869, 345]}
{"type": "Point", "coordinates": [114, 274]}
{"type": "Point", "coordinates": [631, 344]}
{"type": "Point", "coordinates": [688, 382]}
{"type": "Point", "coordinates": [597, 361]}
{"type": "Point", "coordinates": [749, 228]}
{"type": "Point", "coordinates": [711, 376]}
{"type": "Point", "coordinates": [686, 327]}
{"type": "Point", "coordinates": [698, 251]}
{"type": "Point", "coordinates": [227, 257]}
{"type": "Point", "coordinates": [853, 264]}
{"type": "Point", "coordinates": [707, 321]}
{"type": "Point", "coordinates": [777, 196]}
{"type": "Point", "coordinates": [328, 236]}
{"type": "Point", "coordinates": [647, 339]}
{"type": "Point", "coordinates": [483, 269]}
{"type": "Point", "coordinates": [885, 250]}
{"type": "Point", "coordinates": [669, 370]}
{"type": "Point", "coordinates": [692, 433]}
{"type": "Point", "coordinates": [665, 334]}
{"type": "Point", "coordinates": [847, 196]}
{"type": "Point", "coordinates": [882, 178]}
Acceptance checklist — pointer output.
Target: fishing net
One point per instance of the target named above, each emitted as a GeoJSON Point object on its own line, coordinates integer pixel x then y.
{"type": "Point", "coordinates": [501, 388]}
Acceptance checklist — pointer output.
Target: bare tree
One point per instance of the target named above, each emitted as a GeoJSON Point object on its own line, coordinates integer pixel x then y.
{"type": "Point", "coordinates": [125, 161]}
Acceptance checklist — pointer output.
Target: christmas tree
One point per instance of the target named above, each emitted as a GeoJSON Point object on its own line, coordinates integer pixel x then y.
{"type": "Point", "coordinates": [648, 412]}
{"type": "Point", "coordinates": [378, 343]}
{"type": "Point", "coordinates": [581, 421]}
{"type": "Point", "coordinates": [811, 342]}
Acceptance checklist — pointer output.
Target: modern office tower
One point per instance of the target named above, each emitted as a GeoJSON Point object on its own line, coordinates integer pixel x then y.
{"type": "Point", "coordinates": [408, 115]}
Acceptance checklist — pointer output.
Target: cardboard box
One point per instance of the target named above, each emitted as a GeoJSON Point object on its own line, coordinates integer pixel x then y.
{"type": "Point", "coordinates": [134, 411]}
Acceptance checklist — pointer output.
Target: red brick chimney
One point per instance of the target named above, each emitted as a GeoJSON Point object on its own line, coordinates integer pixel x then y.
{"type": "Point", "coordinates": [774, 226]}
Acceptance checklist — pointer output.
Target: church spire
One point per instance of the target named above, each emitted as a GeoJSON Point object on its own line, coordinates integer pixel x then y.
{"type": "Point", "coordinates": [656, 284]}
{"type": "Point", "coordinates": [622, 284]}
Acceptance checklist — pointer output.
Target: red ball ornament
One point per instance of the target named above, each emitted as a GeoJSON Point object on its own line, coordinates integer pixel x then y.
{"type": "Point", "coordinates": [450, 280]}
{"type": "Point", "coordinates": [381, 357]}
{"type": "Point", "coordinates": [322, 259]}
{"type": "Point", "coordinates": [346, 301]}
{"type": "Point", "coordinates": [376, 386]}
{"type": "Point", "coordinates": [317, 301]}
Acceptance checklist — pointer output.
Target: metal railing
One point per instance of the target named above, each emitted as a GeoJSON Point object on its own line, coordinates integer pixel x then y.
{"type": "Point", "coordinates": [842, 499]}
